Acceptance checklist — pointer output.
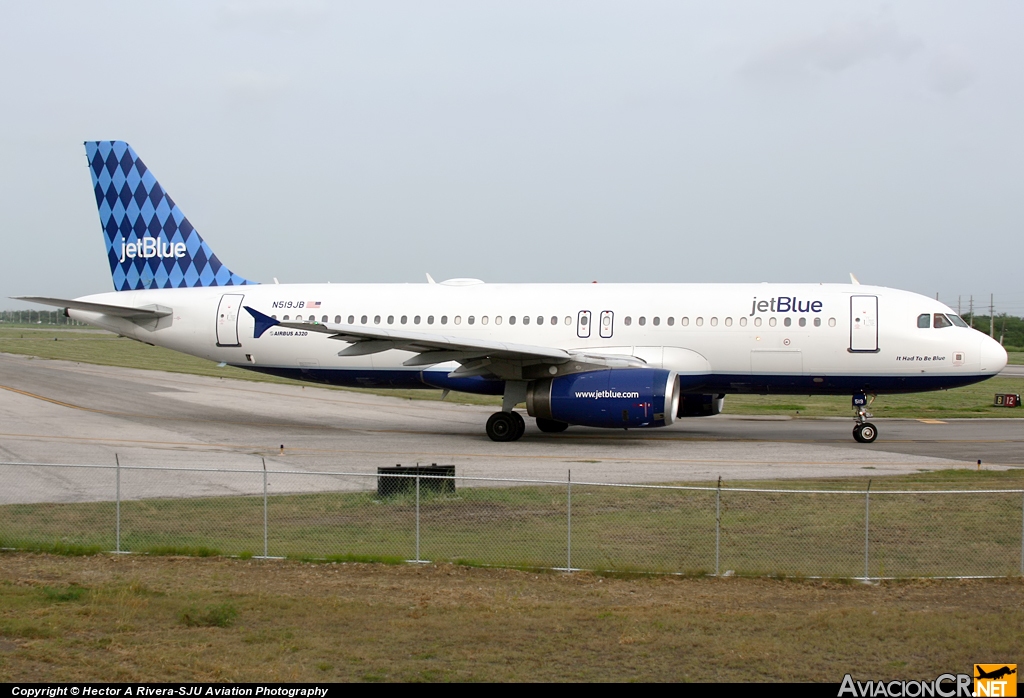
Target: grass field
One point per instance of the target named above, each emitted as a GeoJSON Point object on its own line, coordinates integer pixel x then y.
{"type": "Point", "coordinates": [140, 618]}
{"type": "Point", "coordinates": [613, 529]}
{"type": "Point", "coordinates": [98, 347]}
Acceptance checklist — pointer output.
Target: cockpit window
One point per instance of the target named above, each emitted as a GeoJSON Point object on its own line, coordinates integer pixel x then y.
{"type": "Point", "coordinates": [924, 321]}
{"type": "Point", "coordinates": [942, 321]}
{"type": "Point", "coordinates": [957, 320]}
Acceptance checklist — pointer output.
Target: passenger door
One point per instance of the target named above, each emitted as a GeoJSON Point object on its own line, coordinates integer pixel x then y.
{"type": "Point", "coordinates": [864, 324]}
{"type": "Point", "coordinates": [227, 320]}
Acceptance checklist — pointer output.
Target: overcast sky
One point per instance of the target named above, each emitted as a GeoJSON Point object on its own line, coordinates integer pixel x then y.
{"type": "Point", "coordinates": [529, 141]}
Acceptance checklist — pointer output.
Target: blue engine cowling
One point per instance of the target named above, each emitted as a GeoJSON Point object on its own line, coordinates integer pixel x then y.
{"type": "Point", "coordinates": [615, 397]}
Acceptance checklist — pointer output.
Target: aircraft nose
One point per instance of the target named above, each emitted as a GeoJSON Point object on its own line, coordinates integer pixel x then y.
{"type": "Point", "coordinates": [993, 356]}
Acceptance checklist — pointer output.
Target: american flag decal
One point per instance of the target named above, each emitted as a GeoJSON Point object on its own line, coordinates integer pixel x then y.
{"type": "Point", "coordinates": [312, 304]}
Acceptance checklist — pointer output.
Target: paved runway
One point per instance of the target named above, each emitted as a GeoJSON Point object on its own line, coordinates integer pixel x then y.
{"type": "Point", "coordinates": [63, 412]}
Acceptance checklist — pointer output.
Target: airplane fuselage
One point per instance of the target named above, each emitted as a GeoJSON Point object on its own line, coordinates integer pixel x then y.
{"type": "Point", "coordinates": [720, 338]}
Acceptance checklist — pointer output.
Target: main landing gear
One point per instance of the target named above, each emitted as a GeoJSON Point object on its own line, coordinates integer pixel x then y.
{"type": "Point", "coordinates": [863, 431]}
{"type": "Point", "coordinates": [506, 426]}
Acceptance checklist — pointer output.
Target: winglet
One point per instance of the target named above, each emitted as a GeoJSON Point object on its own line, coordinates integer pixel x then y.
{"type": "Point", "coordinates": [263, 322]}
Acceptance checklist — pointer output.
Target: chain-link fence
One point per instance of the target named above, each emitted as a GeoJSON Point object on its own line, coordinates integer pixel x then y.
{"type": "Point", "coordinates": [513, 523]}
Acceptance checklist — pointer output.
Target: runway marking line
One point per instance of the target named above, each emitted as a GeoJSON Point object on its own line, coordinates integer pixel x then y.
{"type": "Point", "coordinates": [272, 450]}
{"type": "Point", "coordinates": [931, 421]}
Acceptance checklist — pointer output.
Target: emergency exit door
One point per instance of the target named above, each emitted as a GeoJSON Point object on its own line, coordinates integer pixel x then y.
{"type": "Point", "coordinates": [227, 320]}
{"type": "Point", "coordinates": [607, 324]}
{"type": "Point", "coordinates": [863, 323]}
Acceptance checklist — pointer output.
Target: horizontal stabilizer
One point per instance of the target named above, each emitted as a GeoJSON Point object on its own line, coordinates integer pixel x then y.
{"type": "Point", "coordinates": [147, 312]}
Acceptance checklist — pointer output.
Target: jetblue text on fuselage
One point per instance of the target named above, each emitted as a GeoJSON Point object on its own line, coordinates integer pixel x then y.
{"type": "Point", "coordinates": [148, 247]}
{"type": "Point", "coordinates": [784, 304]}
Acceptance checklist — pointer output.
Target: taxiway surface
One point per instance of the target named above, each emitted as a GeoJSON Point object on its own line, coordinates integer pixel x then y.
{"type": "Point", "coordinates": [63, 412]}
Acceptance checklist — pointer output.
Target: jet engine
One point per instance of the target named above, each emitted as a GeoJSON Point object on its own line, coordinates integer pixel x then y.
{"type": "Point", "coordinates": [615, 397]}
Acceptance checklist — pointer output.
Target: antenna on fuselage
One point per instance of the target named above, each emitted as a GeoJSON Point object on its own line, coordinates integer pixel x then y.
{"type": "Point", "coordinates": [853, 280]}
{"type": "Point", "coordinates": [430, 279]}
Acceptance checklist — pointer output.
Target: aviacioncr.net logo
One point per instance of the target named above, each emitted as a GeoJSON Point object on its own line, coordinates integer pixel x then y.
{"type": "Point", "coordinates": [943, 686]}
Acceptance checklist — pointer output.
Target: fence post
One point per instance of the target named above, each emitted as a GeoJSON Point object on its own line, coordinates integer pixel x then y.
{"type": "Point", "coordinates": [117, 508]}
{"type": "Point", "coordinates": [417, 514]}
{"type": "Point", "coordinates": [265, 553]}
{"type": "Point", "coordinates": [568, 518]}
{"type": "Point", "coordinates": [718, 520]}
{"type": "Point", "coordinates": [1022, 538]}
{"type": "Point", "coordinates": [867, 524]}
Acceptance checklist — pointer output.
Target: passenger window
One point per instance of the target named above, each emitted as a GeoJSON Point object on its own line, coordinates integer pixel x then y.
{"type": "Point", "coordinates": [351, 319]}
{"type": "Point", "coordinates": [817, 322]}
{"type": "Point", "coordinates": [416, 320]}
{"type": "Point", "coordinates": [526, 319]}
{"type": "Point", "coordinates": [671, 321]}
{"type": "Point", "coordinates": [391, 319]}
{"type": "Point", "coordinates": [656, 321]}
{"type": "Point", "coordinates": [743, 322]}
{"type": "Point", "coordinates": [274, 316]}
{"type": "Point", "coordinates": [511, 319]}
{"type": "Point", "coordinates": [471, 320]}
{"type": "Point", "coordinates": [430, 319]}
{"type": "Point", "coordinates": [831, 322]}
{"type": "Point", "coordinates": [444, 319]}
{"type": "Point", "coordinates": [483, 320]}
{"type": "Point", "coordinates": [376, 319]}
{"type": "Point", "coordinates": [757, 322]}
{"type": "Point", "coordinates": [924, 321]}
{"type": "Point", "coordinates": [323, 319]}
{"type": "Point", "coordinates": [942, 321]}
{"type": "Point", "coordinates": [554, 320]}
{"type": "Point", "coordinates": [642, 321]}
{"type": "Point", "coordinates": [714, 322]}
{"type": "Point", "coordinates": [362, 320]}
{"type": "Point", "coordinates": [458, 320]}
{"type": "Point", "coordinates": [788, 321]}
{"type": "Point", "coordinates": [628, 321]}
{"type": "Point", "coordinates": [685, 321]}
{"type": "Point", "coordinates": [540, 319]}
{"type": "Point", "coordinates": [700, 321]}
{"type": "Point", "coordinates": [312, 318]}
{"type": "Point", "coordinates": [497, 319]}
{"type": "Point", "coordinates": [771, 322]}
{"type": "Point", "coordinates": [568, 320]}
{"type": "Point", "coordinates": [803, 322]}
{"type": "Point", "coordinates": [337, 319]}
{"type": "Point", "coordinates": [405, 319]}
{"type": "Point", "coordinates": [728, 322]}
{"type": "Point", "coordinates": [286, 318]}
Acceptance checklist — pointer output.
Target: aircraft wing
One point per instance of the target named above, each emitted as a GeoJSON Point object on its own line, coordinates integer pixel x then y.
{"type": "Point", "coordinates": [149, 312]}
{"type": "Point", "coordinates": [475, 354]}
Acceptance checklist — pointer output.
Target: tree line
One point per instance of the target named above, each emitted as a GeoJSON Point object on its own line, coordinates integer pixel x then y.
{"type": "Point", "coordinates": [36, 317]}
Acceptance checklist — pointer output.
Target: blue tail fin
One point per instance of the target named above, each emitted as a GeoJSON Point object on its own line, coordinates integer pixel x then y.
{"type": "Point", "coordinates": [150, 243]}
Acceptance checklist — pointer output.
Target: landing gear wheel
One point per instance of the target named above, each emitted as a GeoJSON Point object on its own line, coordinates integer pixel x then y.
{"type": "Point", "coordinates": [856, 434]}
{"type": "Point", "coordinates": [551, 426]}
{"type": "Point", "coordinates": [866, 433]}
{"type": "Point", "coordinates": [520, 426]}
{"type": "Point", "coordinates": [502, 426]}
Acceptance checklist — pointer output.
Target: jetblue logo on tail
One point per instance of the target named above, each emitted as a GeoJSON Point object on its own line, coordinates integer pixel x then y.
{"type": "Point", "coordinates": [150, 243]}
{"type": "Point", "coordinates": [151, 247]}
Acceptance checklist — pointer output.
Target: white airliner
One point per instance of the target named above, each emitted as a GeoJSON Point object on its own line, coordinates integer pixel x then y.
{"type": "Point", "coordinates": [599, 355]}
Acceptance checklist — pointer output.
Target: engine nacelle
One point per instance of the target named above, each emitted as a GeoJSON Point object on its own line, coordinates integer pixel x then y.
{"type": "Point", "coordinates": [615, 397]}
{"type": "Point", "coordinates": [694, 405]}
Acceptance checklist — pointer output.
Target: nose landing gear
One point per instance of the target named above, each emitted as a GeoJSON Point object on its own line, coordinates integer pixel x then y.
{"type": "Point", "coordinates": [863, 431]}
